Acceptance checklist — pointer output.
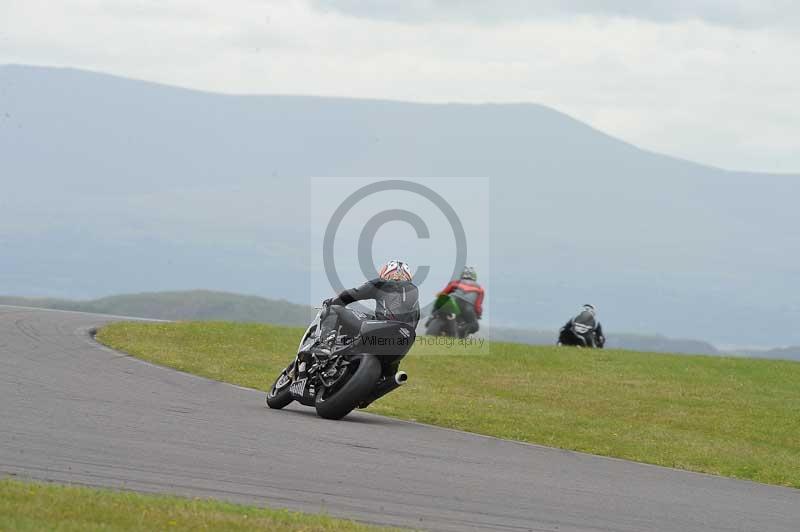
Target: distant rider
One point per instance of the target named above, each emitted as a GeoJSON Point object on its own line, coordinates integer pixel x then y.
{"type": "Point", "coordinates": [469, 296]}
{"type": "Point", "coordinates": [396, 298]}
{"type": "Point", "coordinates": [584, 330]}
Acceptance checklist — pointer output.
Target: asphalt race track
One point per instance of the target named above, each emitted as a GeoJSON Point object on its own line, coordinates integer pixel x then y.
{"type": "Point", "coordinates": [74, 411]}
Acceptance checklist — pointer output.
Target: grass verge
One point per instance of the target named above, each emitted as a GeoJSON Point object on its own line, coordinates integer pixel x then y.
{"type": "Point", "coordinates": [39, 506]}
{"type": "Point", "coordinates": [729, 416]}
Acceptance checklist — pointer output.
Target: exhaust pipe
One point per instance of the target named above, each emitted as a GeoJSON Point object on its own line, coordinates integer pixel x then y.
{"type": "Point", "coordinates": [385, 387]}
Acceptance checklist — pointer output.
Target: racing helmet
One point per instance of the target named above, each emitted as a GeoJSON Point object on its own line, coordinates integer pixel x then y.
{"type": "Point", "coordinates": [395, 270]}
{"type": "Point", "coordinates": [469, 273]}
{"type": "Point", "coordinates": [588, 307]}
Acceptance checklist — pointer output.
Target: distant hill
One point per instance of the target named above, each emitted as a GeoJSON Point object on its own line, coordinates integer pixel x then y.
{"type": "Point", "coordinates": [635, 342]}
{"type": "Point", "coordinates": [789, 353]}
{"type": "Point", "coordinates": [209, 305]}
{"type": "Point", "coordinates": [112, 185]}
{"type": "Point", "coordinates": [188, 305]}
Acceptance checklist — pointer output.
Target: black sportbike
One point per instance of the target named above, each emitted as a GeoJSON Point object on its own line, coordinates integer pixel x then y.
{"type": "Point", "coordinates": [580, 335]}
{"type": "Point", "coordinates": [357, 372]}
{"type": "Point", "coordinates": [446, 319]}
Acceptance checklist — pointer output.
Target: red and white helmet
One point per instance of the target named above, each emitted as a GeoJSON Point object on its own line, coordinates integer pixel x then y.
{"type": "Point", "coordinates": [395, 270]}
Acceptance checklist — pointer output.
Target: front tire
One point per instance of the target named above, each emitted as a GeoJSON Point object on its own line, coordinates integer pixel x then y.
{"type": "Point", "coordinates": [355, 390]}
{"type": "Point", "coordinates": [279, 395]}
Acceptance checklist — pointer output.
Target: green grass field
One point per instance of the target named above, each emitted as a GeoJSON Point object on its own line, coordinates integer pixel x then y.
{"type": "Point", "coordinates": [36, 506]}
{"type": "Point", "coordinates": [728, 416]}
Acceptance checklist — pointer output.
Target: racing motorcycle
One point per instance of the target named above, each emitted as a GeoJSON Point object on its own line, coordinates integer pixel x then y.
{"type": "Point", "coordinates": [445, 318]}
{"type": "Point", "coordinates": [358, 371]}
{"type": "Point", "coordinates": [579, 335]}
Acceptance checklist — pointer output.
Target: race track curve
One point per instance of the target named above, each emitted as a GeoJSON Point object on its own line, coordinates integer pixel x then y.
{"type": "Point", "coordinates": [74, 411]}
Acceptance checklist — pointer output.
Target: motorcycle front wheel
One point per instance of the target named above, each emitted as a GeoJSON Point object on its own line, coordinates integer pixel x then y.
{"type": "Point", "coordinates": [279, 395]}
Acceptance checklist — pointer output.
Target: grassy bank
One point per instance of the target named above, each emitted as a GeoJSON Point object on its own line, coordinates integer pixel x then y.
{"type": "Point", "coordinates": [37, 506]}
{"type": "Point", "coordinates": [727, 416]}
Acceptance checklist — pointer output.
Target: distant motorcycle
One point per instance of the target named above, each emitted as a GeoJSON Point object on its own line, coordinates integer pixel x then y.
{"type": "Point", "coordinates": [580, 335]}
{"type": "Point", "coordinates": [445, 318]}
{"type": "Point", "coordinates": [357, 372]}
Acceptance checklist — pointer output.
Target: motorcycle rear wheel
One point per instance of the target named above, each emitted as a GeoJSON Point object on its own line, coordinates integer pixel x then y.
{"type": "Point", "coordinates": [346, 398]}
{"type": "Point", "coordinates": [437, 327]}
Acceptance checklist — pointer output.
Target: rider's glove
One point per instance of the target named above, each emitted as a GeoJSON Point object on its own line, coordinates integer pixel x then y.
{"type": "Point", "coordinates": [328, 302]}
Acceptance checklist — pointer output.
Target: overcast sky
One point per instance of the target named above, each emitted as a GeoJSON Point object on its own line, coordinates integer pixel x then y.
{"type": "Point", "coordinates": [715, 81]}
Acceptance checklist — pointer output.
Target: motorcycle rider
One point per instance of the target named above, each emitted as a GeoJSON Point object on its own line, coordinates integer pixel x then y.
{"type": "Point", "coordinates": [396, 298]}
{"type": "Point", "coordinates": [584, 330]}
{"type": "Point", "coordinates": [469, 296]}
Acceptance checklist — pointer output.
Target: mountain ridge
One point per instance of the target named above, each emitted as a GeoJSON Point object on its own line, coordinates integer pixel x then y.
{"type": "Point", "coordinates": [366, 101]}
{"type": "Point", "coordinates": [118, 189]}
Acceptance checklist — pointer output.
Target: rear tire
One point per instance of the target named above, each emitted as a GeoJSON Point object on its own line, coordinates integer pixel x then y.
{"type": "Point", "coordinates": [278, 398]}
{"type": "Point", "coordinates": [353, 392]}
{"type": "Point", "coordinates": [437, 328]}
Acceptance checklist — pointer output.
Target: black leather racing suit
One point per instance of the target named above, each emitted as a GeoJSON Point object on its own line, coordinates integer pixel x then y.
{"type": "Point", "coordinates": [394, 300]}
